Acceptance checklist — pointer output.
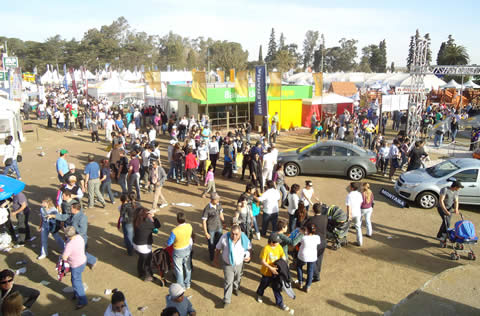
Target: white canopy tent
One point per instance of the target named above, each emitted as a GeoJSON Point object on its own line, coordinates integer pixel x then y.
{"type": "Point", "coordinates": [471, 85]}
{"type": "Point", "coordinates": [452, 84]}
{"type": "Point", "coordinates": [328, 98]}
{"type": "Point", "coordinates": [115, 89]}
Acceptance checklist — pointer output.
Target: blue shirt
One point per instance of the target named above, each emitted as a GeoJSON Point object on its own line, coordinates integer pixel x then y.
{"type": "Point", "coordinates": [93, 170]}
{"type": "Point", "coordinates": [119, 124]}
{"type": "Point", "coordinates": [62, 165]}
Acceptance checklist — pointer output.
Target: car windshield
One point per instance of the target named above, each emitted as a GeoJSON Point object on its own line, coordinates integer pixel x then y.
{"type": "Point", "coordinates": [302, 149]}
{"type": "Point", "coordinates": [442, 169]}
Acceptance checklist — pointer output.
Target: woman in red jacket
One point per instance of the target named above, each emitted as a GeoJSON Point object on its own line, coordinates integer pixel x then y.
{"type": "Point", "coordinates": [191, 166]}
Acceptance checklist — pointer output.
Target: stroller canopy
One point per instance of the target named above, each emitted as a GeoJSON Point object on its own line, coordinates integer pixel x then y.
{"type": "Point", "coordinates": [337, 214]}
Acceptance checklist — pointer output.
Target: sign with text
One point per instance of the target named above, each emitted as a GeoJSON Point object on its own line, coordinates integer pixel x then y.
{"type": "Point", "coordinates": [3, 76]}
{"type": "Point", "coordinates": [260, 92]}
{"type": "Point", "coordinates": [10, 62]}
{"type": "Point", "coordinates": [394, 198]}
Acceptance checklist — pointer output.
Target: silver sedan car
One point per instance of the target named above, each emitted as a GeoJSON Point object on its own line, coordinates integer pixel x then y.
{"type": "Point", "coordinates": [424, 185]}
{"type": "Point", "coordinates": [329, 158]}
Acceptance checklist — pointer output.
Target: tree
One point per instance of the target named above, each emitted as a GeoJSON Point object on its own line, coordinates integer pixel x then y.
{"type": "Point", "coordinates": [281, 42]}
{"type": "Point", "coordinates": [260, 55]}
{"type": "Point", "coordinates": [309, 44]}
{"type": "Point", "coordinates": [441, 53]}
{"type": "Point", "coordinates": [227, 55]}
{"type": "Point", "coordinates": [411, 49]}
{"type": "Point", "coordinates": [392, 67]}
{"type": "Point", "coordinates": [429, 50]}
{"type": "Point", "coordinates": [341, 58]}
{"type": "Point", "coordinates": [293, 51]}
{"type": "Point", "coordinates": [272, 49]}
{"type": "Point", "coordinates": [456, 55]}
{"type": "Point", "coordinates": [382, 51]}
{"type": "Point", "coordinates": [284, 61]}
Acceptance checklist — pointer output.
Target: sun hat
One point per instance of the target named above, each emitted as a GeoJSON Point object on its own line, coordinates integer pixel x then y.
{"type": "Point", "coordinates": [176, 290]}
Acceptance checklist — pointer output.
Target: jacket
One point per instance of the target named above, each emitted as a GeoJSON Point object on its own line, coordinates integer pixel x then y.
{"type": "Point", "coordinates": [283, 275]}
{"type": "Point", "coordinates": [29, 295]}
{"type": "Point", "coordinates": [161, 261]}
{"type": "Point", "coordinates": [162, 176]}
{"type": "Point", "coordinates": [190, 162]}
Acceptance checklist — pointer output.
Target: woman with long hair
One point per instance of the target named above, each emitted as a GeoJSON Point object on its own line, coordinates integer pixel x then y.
{"type": "Point", "coordinates": [307, 254]}
{"type": "Point", "coordinates": [293, 200]}
{"type": "Point", "coordinates": [144, 225]}
{"type": "Point", "coordinates": [367, 207]}
{"type": "Point", "coordinates": [12, 305]}
{"type": "Point", "coordinates": [279, 179]}
{"type": "Point", "coordinates": [127, 214]}
{"type": "Point", "coordinates": [48, 227]}
{"type": "Point", "coordinates": [301, 215]}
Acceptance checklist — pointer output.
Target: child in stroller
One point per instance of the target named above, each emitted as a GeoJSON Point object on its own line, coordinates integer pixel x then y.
{"type": "Point", "coordinates": [337, 226]}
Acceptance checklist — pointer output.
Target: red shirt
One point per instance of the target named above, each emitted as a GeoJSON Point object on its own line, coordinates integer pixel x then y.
{"type": "Point", "coordinates": [190, 161]}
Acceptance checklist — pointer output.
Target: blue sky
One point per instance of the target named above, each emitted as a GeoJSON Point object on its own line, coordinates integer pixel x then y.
{"type": "Point", "coordinates": [249, 22]}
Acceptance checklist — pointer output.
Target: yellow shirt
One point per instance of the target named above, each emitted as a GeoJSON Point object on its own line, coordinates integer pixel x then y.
{"type": "Point", "coordinates": [270, 255]}
{"type": "Point", "coordinates": [183, 233]}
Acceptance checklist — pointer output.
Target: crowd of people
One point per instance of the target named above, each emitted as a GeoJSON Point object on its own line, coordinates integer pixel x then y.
{"type": "Point", "coordinates": [134, 162]}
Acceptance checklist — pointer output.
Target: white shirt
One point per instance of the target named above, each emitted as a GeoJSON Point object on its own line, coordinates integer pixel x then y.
{"type": "Point", "coordinates": [341, 132]}
{"type": "Point", "coordinates": [132, 128]}
{"type": "Point", "coordinates": [61, 117]}
{"type": "Point", "coordinates": [239, 253]}
{"type": "Point", "coordinates": [202, 152]}
{"type": "Point", "coordinates": [101, 115]}
{"type": "Point", "coordinates": [109, 124]}
{"type": "Point", "coordinates": [269, 161]}
{"type": "Point", "coordinates": [213, 147]}
{"type": "Point", "coordinates": [10, 152]}
{"type": "Point", "coordinates": [308, 248]}
{"type": "Point", "coordinates": [270, 201]}
{"type": "Point", "coordinates": [293, 200]}
{"type": "Point", "coordinates": [307, 194]}
{"type": "Point", "coordinates": [152, 135]}
{"type": "Point", "coordinates": [354, 200]}
{"type": "Point", "coordinates": [275, 154]}
{"type": "Point", "coordinates": [145, 156]}
{"type": "Point", "coordinates": [393, 152]}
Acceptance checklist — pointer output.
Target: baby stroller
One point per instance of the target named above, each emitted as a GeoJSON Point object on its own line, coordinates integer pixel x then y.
{"type": "Point", "coordinates": [462, 234]}
{"type": "Point", "coordinates": [337, 227]}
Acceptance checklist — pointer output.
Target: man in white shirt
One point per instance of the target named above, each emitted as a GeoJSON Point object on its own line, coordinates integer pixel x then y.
{"type": "Point", "coordinates": [341, 132]}
{"type": "Point", "coordinates": [213, 151]}
{"type": "Point", "coordinates": [152, 134]}
{"type": "Point", "coordinates": [235, 246]}
{"type": "Point", "coordinates": [354, 202]}
{"type": "Point", "coordinates": [269, 162]}
{"type": "Point", "coordinates": [109, 126]}
{"type": "Point", "coordinates": [270, 200]}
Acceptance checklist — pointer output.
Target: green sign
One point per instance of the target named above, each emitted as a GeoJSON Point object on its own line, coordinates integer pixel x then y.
{"type": "Point", "coordinates": [3, 76]}
{"type": "Point", "coordinates": [10, 62]}
{"type": "Point", "coordinates": [228, 95]}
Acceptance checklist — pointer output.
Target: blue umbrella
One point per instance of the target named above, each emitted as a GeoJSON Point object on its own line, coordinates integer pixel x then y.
{"type": "Point", "coordinates": [9, 186]}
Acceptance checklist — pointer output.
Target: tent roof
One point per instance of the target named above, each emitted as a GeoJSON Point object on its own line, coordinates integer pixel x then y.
{"type": "Point", "coordinates": [452, 84]}
{"type": "Point", "coordinates": [471, 84]}
{"type": "Point", "coordinates": [116, 85]}
{"type": "Point", "coordinates": [328, 98]}
{"type": "Point", "coordinates": [346, 89]}
{"type": "Point", "coordinates": [430, 81]}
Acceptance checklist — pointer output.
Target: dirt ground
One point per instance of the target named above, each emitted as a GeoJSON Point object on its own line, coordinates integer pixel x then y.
{"type": "Point", "coordinates": [401, 256]}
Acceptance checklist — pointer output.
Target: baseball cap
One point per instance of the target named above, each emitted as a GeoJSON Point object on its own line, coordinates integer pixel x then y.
{"type": "Point", "coordinates": [176, 290]}
{"type": "Point", "coordinates": [274, 238]}
{"type": "Point", "coordinates": [71, 166]}
{"type": "Point", "coordinates": [457, 184]}
{"type": "Point", "coordinates": [63, 151]}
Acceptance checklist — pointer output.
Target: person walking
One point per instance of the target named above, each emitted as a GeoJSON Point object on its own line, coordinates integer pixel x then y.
{"type": "Point", "coordinates": [21, 211]}
{"type": "Point", "coordinates": [62, 165]}
{"type": "Point", "coordinates": [416, 155]}
{"type": "Point", "coordinates": [106, 181]}
{"type": "Point", "coordinates": [282, 187]}
{"type": "Point", "coordinates": [293, 200]}
{"type": "Point", "coordinates": [123, 171]}
{"type": "Point", "coordinates": [307, 254]}
{"type": "Point", "coordinates": [134, 173]}
{"type": "Point", "coordinates": [269, 255]}
{"type": "Point", "coordinates": [127, 215]}
{"type": "Point", "coordinates": [447, 204]}
{"type": "Point", "coordinates": [366, 208]}
{"type": "Point", "coordinates": [181, 239]}
{"type": "Point", "coordinates": [234, 247]}
{"type": "Point", "coordinates": [256, 171]}
{"type": "Point", "coordinates": [209, 182]}
{"type": "Point", "coordinates": [320, 220]}
{"type": "Point", "coordinates": [307, 194]}
{"type": "Point", "coordinates": [177, 301]}
{"type": "Point", "coordinates": [393, 156]}
{"type": "Point", "coordinates": [92, 178]}
{"type": "Point", "coordinates": [74, 254]}
{"type": "Point", "coordinates": [270, 200]}
{"type": "Point", "coordinates": [118, 305]}
{"type": "Point", "coordinates": [354, 214]}
{"type": "Point", "coordinates": [158, 176]}
{"type": "Point", "coordinates": [212, 221]}
{"type": "Point", "coordinates": [48, 227]}
{"type": "Point", "coordinates": [191, 166]}
{"type": "Point", "coordinates": [269, 162]}
{"type": "Point", "coordinates": [144, 226]}
{"type": "Point", "coordinates": [94, 130]}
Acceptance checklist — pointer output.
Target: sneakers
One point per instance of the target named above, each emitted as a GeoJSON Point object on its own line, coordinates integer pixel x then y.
{"type": "Point", "coordinates": [163, 205]}
{"type": "Point", "coordinates": [259, 299]}
{"type": "Point", "coordinates": [19, 244]}
{"type": "Point", "coordinates": [258, 236]}
{"type": "Point", "coordinates": [43, 256]}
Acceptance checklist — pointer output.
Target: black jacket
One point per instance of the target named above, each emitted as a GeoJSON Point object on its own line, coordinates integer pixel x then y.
{"type": "Point", "coordinates": [29, 295]}
{"type": "Point", "coordinates": [283, 275]}
{"type": "Point", "coordinates": [320, 222]}
{"type": "Point", "coordinates": [143, 233]}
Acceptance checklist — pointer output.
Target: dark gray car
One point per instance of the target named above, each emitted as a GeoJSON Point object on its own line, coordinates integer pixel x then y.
{"type": "Point", "coordinates": [329, 158]}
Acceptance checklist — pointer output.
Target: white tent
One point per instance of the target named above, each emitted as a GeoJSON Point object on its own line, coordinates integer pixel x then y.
{"type": "Point", "coordinates": [328, 98]}
{"type": "Point", "coordinates": [429, 82]}
{"type": "Point", "coordinates": [116, 89]}
{"type": "Point", "coordinates": [452, 84]}
{"type": "Point", "coordinates": [471, 85]}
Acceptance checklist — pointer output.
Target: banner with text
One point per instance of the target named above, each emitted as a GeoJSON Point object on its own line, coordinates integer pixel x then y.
{"type": "Point", "coordinates": [260, 93]}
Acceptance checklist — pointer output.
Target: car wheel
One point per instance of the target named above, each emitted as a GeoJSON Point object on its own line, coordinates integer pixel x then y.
{"type": "Point", "coordinates": [356, 173]}
{"type": "Point", "coordinates": [427, 200]}
{"type": "Point", "coordinates": [292, 169]}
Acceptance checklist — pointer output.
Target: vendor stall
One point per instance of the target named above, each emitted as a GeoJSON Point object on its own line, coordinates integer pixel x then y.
{"type": "Point", "coordinates": [329, 103]}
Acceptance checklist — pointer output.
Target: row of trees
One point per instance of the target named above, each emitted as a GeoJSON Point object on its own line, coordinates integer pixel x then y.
{"type": "Point", "coordinates": [122, 47]}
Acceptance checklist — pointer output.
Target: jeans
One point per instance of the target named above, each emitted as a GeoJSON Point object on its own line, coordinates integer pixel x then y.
{"type": "Point", "coordinates": [227, 169]}
{"type": "Point", "coordinates": [292, 222]}
{"type": "Point", "coordinates": [44, 239]}
{"type": "Point", "coordinates": [128, 237]}
{"type": "Point", "coordinates": [179, 170]}
{"type": "Point", "coordinates": [267, 218]}
{"type": "Point", "coordinates": [232, 278]}
{"type": "Point", "coordinates": [134, 180]}
{"type": "Point", "coordinates": [442, 232]}
{"type": "Point", "coordinates": [95, 137]}
{"type": "Point", "coordinates": [122, 180]}
{"type": "Point", "coordinates": [144, 265]}
{"type": "Point", "coordinates": [94, 190]}
{"type": "Point", "coordinates": [454, 134]}
{"type": "Point", "coordinates": [23, 228]}
{"type": "Point", "coordinates": [192, 176]}
{"type": "Point", "coordinates": [367, 213]}
{"type": "Point", "coordinates": [212, 242]}
{"type": "Point", "coordinates": [438, 140]}
{"type": "Point", "coordinates": [77, 285]}
{"type": "Point", "coordinates": [310, 270]}
{"type": "Point", "coordinates": [264, 283]}
{"type": "Point", "coordinates": [284, 193]}
{"type": "Point", "coordinates": [107, 186]}
{"type": "Point", "coordinates": [183, 266]}
{"type": "Point", "coordinates": [171, 172]}
{"type": "Point", "coordinates": [13, 166]}
{"type": "Point", "coordinates": [357, 222]}
{"type": "Point", "coordinates": [91, 260]}
{"type": "Point", "coordinates": [255, 224]}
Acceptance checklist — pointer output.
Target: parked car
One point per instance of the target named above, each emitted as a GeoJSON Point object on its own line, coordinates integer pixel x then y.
{"type": "Point", "coordinates": [424, 185]}
{"type": "Point", "coordinates": [329, 158]}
